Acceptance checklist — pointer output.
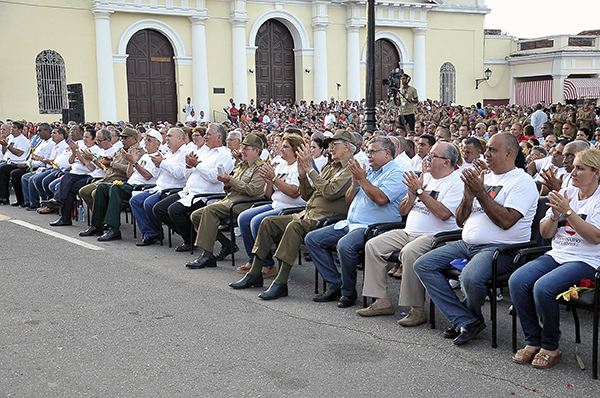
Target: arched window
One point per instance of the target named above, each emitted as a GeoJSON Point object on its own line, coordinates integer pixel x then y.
{"type": "Point", "coordinates": [51, 82]}
{"type": "Point", "coordinates": [447, 83]}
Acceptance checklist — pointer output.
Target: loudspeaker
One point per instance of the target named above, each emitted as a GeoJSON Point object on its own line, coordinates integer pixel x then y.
{"type": "Point", "coordinates": [75, 111]}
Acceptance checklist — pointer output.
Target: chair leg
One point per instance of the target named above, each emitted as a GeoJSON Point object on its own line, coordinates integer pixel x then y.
{"type": "Point", "coordinates": [493, 310]}
{"type": "Point", "coordinates": [232, 231]}
{"type": "Point", "coordinates": [577, 330]}
{"type": "Point", "coordinates": [513, 314]}
{"type": "Point", "coordinates": [134, 225]}
{"type": "Point", "coordinates": [170, 240]}
{"type": "Point", "coordinates": [316, 281]}
{"type": "Point", "coordinates": [595, 346]}
{"type": "Point", "coordinates": [432, 313]}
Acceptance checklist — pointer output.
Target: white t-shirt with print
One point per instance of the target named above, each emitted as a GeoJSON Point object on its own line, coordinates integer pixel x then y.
{"type": "Point", "coordinates": [567, 244]}
{"type": "Point", "coordinates": [289, 175]}
{"type": "Point", "coordinates": [449, 192]}
{"type": "Point", "coordinates": [514, 189]}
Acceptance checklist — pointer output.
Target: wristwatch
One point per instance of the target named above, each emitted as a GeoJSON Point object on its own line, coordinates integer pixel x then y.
{"type": "Point", "coordinates": [568, 213]}
{"type": "Point", "coordinates": [274, 178]}
{"type": "Point", "coordinates": [420, 191]}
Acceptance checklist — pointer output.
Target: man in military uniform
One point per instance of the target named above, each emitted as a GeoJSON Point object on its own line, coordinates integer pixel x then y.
{"type": "Point", "coordinates": [325, 197]}
{"type": "Point", "coordinates": [245, 183]}
{"type": "Point", "coordinates": [408, 97]}
{"type": "Point", "coordinates": [586, 117]}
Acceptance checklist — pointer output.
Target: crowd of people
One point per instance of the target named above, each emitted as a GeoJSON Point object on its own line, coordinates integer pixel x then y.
{"type": "Point", "coordinates": [477, 169]}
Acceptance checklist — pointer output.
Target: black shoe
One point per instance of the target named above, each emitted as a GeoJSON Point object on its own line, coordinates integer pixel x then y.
{"type": "Point", "coordinates": [226, 251]}
{"type": "Point", "coordinates": [276, 290]}
{"type": "Point", "coordinates": [202, 262]}
{"type": "Point", "coordinates": [183, 248]}
{"type": "Point", "coordinates": [329, 295]}
{"type": "Point", "coordinates": [91, 231]}
{"type": "Point", "coordinates": [450, 333]}
{"type": "Point", "coordinates": [32, 208]}
{"type": "Point", "coordinates": [110, 235]}
{"type": "Point", "coordinates": [469, 332]}
{"type": "Point", "coordinates": [4, 202]}
{"type": "Point", "coordinates": [20, 204]}
{"type": "Point", "coordinates": [249, 280]}
{"type": "Point", "coordinates": [347, 301]}
{"type": "Point", "coordinates": [60, 223]}
{"type": "Point", "coordinates": [52, 204]}
{"type": "Point", "coordinates": [24, 205]}
{"type": "Point", "coordinates": [148, 241]}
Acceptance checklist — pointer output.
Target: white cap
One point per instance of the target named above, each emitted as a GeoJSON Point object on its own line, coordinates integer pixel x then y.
{"type": "Point", "coordinates": [155, 134]}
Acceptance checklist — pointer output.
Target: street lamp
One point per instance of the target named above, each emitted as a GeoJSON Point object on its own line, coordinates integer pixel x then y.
{"type": "Point", "coordinates": [487, 73]}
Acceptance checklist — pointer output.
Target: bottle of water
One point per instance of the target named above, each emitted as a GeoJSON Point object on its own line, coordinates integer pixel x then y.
{"type": "Point", "coordinates": [80, 214]}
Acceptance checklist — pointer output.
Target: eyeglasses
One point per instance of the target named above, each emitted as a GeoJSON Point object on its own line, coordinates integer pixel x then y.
{"type": "Point", "coordinates": [434, 156]}
{"type": "Point", "coordinates": [371, 152]}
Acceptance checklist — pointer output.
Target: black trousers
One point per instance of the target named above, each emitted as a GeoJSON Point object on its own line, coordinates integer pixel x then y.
{"type": "Point", "coordinates": [15, 176]}
{"type": "Point", "coordinates": [5, 171]}
{"type": "Point", "coordinates": [177, 216]}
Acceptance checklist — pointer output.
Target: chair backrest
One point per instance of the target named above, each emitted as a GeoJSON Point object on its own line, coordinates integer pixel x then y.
{"type": "Point", "coordinates": [539, 214]}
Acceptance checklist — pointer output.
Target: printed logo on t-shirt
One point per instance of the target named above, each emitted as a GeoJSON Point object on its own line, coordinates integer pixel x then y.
{"type": "Point", "coordinates": [562, 222]}
{"type": "Point", "coordinates": [420, 207]}
{"type": "Point", "coordinates": [493, 191]}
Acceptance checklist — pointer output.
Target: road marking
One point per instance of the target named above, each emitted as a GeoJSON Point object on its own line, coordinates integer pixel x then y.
{"type": "Point", "coordinates": [56, 235]}
{"type": "Point", "coordinates": [4, 218]}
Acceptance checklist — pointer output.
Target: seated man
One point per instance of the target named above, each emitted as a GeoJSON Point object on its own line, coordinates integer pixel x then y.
{"type": "Point", "coordinates": [497, 209]}
{"type": "Point", "coordinates": [81, 159]}
{"type": "Point", "coordinates": [373, 197]}
{"type": "Point", "coordinates": [325, 197]}
{"type": "Point", "coordinates": [115, 166]}
{"type": "Point", "coordinates": [245, 183]}
{"type": "Point", "coordinates": [37, 161]}
{"type": "Point", "coordinates": [140, 170]}
{"type": "Point", "coordinates": [16, 149]}
{"type": "Point", "coordinates": [429, 206]}
{"type": "Point", "coordinates": [171, 168]}
{"type": "Point", "coordinates": [201, 173]}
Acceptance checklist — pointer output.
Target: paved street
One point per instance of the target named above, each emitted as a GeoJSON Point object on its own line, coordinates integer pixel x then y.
{"type": "Point", "coordinates": [116, 320]}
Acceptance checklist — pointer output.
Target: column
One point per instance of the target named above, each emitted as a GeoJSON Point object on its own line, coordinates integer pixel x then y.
{"type": "Point", "coordinates": [200, 66]}
{"type": "Point", "coordinates": [353, 67]}
{"type": "Point", "coordinates": [419, 78]}
{"type": "Point", "coordinates": [238, 19]}
{"type": "Point", "coordinates": [107, 97]}
{"type": "Point", "coordinates": [320, 21]}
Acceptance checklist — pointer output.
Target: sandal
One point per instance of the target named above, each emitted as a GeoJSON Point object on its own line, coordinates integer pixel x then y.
{"type": "Point", "coordinates": [526, 355]}
{"type": "Point", "coordinates": [272, 271]}
{"type": "Point", "coordinates": [244, 269]}
{"type": "Point", "coordinates": [398, 273]}
{"type": "Point", "coordinates": [549, 360]}
{"type": "Point", "coordinates": [394, 270]}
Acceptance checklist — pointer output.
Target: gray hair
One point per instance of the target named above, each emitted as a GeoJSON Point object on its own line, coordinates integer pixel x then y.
{"type": "Point", "coordinates": [235, 134]}
{"type": "Point", "coordinates": [358, 138]}
{"type": "Point", "coordinates": [579, 145]}
{"type": "Point", "coordinates": [450, 153]}
{"type": "Point", "coordinates": [385, 143]}
{"type": "Point", "coordinates": [219, 129]}
{"type": "Point", "coordinates": [178, 131]}
{"type": "Point", "coordinates": [105, 134]}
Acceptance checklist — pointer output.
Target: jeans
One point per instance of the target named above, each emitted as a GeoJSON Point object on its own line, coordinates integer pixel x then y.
{"type": "Point", "coordinates": [141, 206]}
{"type": "Point", "coordinates": [249, 221]}
{"type": "Point", "coordinates": [534, 288]}
{"type": "Point", "coordinates": [477, 272]}
{"type": "Point", "coordinates": [348, 245]}
{"type": "Point", "coordinates": [38, 185]}
{"type": "Point", "coordinates": [27, 188]}
{"type": "Point", "coordinates": [54, 187]}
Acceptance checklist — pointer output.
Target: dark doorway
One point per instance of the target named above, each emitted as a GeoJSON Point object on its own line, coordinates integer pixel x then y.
{"type": "Point", "coordinates": [152, 93]}
{"type": "Point", "coordinates": [274, 63]}
{"type": "Point", "coordinates": [386, 60]}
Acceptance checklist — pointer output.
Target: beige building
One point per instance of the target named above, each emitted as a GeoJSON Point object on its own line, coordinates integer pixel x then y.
{"type": "Point", "coordinates": [139, 60]}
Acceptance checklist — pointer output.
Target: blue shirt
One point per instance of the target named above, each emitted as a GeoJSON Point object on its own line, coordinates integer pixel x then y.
{"type": "Point", "coordinates": [363, 211]}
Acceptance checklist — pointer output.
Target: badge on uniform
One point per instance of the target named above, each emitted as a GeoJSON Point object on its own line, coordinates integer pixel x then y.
{"type": "Point", "coordinates": [248, 173]}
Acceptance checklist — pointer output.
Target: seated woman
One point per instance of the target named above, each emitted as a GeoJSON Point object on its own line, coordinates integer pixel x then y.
{"type": "Point", "coordinates": [281, 187]}
{"type": "Point", "coordinates": [572, 222]}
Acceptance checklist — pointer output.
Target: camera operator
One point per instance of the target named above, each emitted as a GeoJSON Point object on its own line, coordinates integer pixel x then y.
{"type": "Point", "coordinates": [408, 97]}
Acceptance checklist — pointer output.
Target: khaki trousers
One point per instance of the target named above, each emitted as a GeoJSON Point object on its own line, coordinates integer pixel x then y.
{"type": "Point", "coordinates": [206, 220]}
{"type": "Point", "coordinates": [87, 193]}
{"type": "Point", "coordinates": [291, 231]}
{"type": "Point", "coordinates": [378, 249]}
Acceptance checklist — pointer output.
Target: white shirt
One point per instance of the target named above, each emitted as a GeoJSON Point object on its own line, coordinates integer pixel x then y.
{"type": "Point", "coordinates": [44, 149]}
{"type": "Point", "coordinates": [514, 189]}
{"type": "Point", "coordinates": [266, 119]}
{"type": "Point", "coordinates": [404, 156]}
{"type": "Point", "coordinates": [403, 163]}
{"type": "Point", "coordinates": [329, 118]}
{"type": "Point", "coordinates": [190, 118]}
{"type": "Point", "coordinates": [20, 142]}
{"type": "Point", "coordinates": [202, 119]}
{"type": "Point", "coordinates": [99, 172]}
{"type": "Point", "coordinates": [320, 162]}
{"type": "Point", "coordinates": [56, 151]}
{"type": "Point", "coordinates": [289, 175]}
{"type": "Point", "coordinates": [188, 108]}
{"type": "Point", "coordinates": [449, 192]}
{"type": "Point", "coordinates": [567, 244]}
{"type": "Point", "coordinates": [538, 118]}
{"type": "Point", "coordinates": [172, 170]}
{"type": "Point", "coordinates": [203, 177]}
{"type": "Point", "coordinates": [416, 163]}
{"type": "Point", "coordinates": [136, 177]}
{"type": "Point", "coordinates": [362, 158]}
{"type": "Point", "coordinates": [79, 168]}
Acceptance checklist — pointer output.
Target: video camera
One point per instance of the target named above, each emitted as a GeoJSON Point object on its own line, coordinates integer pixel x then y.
{"type": "Point", "coordinates": [394, 80]}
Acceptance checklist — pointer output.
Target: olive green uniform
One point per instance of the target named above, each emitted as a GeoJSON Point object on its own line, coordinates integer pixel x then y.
{"type": "Point", "coordinates": [326, 197]}
{"type": "Point", "coordinates": [244, 184]}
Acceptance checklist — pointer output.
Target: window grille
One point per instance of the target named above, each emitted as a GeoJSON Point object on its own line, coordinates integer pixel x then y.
{"type": "Point", "coordinates": [447, 83]}
{"type": "Point", "coordinates": [51, 82]}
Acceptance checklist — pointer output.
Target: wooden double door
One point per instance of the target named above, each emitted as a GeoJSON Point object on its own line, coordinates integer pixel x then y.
{"type": "Point", "coordinates": [386, 60]}
{"type": "Point", "coordinates": [151, 86]}
{"type": "Point", "coordinates": [274, 65]}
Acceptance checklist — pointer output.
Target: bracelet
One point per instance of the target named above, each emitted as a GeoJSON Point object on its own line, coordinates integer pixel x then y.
{"type": "Point", "coordinates": [553, 220]}
{"type": "Point", "coordinates": [273, 179]}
